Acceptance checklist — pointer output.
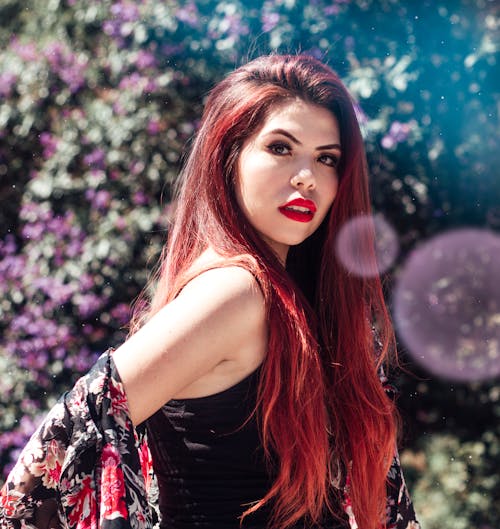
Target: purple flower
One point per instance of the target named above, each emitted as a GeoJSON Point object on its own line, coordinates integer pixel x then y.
{"type": "Point", "coordinates": [145, 59]}
{"type": "Point", "coordinates": [269, 21]}
{"type": "Point", "coordinates": [119, 109]}
{"type": "Point", "coordinates": [121, 313]}
{"type": "Point", "coordinates": [120, 223]}
{"type": "Point", "coordinates": [95, 158]}
{"type": "Point", "coordinates": [88, 304]}
{"type": "Point", "coordinates": [12, 267]}
{"type": "Point", "coordinates": [132, 81]}
{"type": "Point", "coordinates": [70, 68]}
{"type": "Point", "coordinates": [169, 50]}
{"type": "Point", "coordinates": [8, 246]}
{"type": "Point", "coordinates": [54, 53]}
{"type": "Point", "coordinates": [119, 26]}
{"type": "Point", "coordinates": [154, 127]}
{"type": "Point", "coordinates": [139, 198]}
{"type": "Point", "coordinates": [33, 231]}
{"type": "Point", "coordinates": [188, 14]}
{"type": "Point", "coordinates": [19, 436]}
{"type": "Point", "coordinates": [7, 82]}
{"type": "Point", "coordinates": [125, 11]}
{"type": "Point", "coordinates": [27, 52]}
{"type": "Point", "coordinates": [136, 167]}
{"type": "Point", "coordinates": [49, 144]}
{"type": "Point", "coordinates": [398, 133]}
{"type": "Point", "coordinates": [111, 28]}
{"type": "Point", "coordinates": [55, 290]}
{"type": "Point", "coordinates": [102, 199]}
{"type": "Point", "coordinates": [74, 75]}
{"type": "Point", "coordinates": [331, 10]}
{"type": "Point", "coordinates": [61, 226]}
{"type": "Point", "coordinates": [99, 199]}
{"type": "Point", "coordinates": [86, 282]}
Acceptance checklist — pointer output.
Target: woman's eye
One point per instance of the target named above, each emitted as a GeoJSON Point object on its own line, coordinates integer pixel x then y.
{"type": "Point", "coordinates": [279, 148]}
{"type": "Point", "coordinates": [329, 159]}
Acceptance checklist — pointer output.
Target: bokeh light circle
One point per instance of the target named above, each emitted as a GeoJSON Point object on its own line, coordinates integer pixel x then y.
{"type": "Point", "coordinates": [352, 253]}
{"type": "Point", "coordinates": [447, 305]}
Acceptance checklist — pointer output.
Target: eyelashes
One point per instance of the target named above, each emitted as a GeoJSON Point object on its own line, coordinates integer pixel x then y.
{"type": "Point", "coordinates": [283, 149]}
{"type": "Point", "coordinates": [279, 148]}
{"type": "Point", "coordinates": [330, 160]}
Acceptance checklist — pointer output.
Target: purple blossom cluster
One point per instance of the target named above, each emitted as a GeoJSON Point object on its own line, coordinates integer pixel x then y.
{"type": "Point", "coordinates": [99, 199]}
{"type": "Point", "coordinates": [95, 158]}
{"type": "Point", "coordinates": [269, 16]}
{"type": "Point", "coordinates": [40, 222]}
{"type": "Point", "coordinates": [145, 60]}
{"type": "Point", "coordinates": [231, 26]}
{"type": "Point", "coordinates": [135, 82]}
{"type": "Point", "coordinates": [39, 339]}
{"type": "Point", "coordinates": [120, 25]}
{"type": "Point", "coordinates": [334, 8]}
{"type": "Point", "coordinates": [49, 144]}
{"type": "Point", "coordinates": [121, 313]}
{"type": "Point", "coordinates": [18, 437]}
{"type": "Point", "coordinates": [189, 14]}
{"type": "Point", "coordinates": [37, 333]}
{"type": "Point", "coordinates": [154, 127]}
{"type": "Point", "coordinates": [27, 51]}
{"type": "Point", "coordinates": [7, 82]}
{"type": "Point", "coordinates": [67, 65]}
{"type": "Point", "coordinates": [398, 133]}
{"type": "Point", "coordinates": [269, 21]}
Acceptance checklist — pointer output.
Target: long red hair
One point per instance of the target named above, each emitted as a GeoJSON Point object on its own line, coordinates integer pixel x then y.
{"type": "Point", "coordinates": [321, 407]}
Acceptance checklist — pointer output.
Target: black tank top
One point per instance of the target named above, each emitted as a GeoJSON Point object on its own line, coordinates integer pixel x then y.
{"type": "Point", "coordinates": [209, 460]}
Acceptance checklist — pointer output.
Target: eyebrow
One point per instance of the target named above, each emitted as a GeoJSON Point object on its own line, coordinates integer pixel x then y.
{"type": "Point", "coordinates": [297, 142]}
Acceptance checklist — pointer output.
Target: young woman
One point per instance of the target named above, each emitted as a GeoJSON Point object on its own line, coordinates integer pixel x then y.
{"type": "Point", "coordinates": [251, 382]}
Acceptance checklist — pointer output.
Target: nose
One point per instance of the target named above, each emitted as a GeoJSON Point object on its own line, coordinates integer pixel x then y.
{"type": "Point", "coordinates": [303, 179]}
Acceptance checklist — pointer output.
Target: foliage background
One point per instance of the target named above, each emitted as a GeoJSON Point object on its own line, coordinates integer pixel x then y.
{"type": "Point", "coordinates": [98, 100]}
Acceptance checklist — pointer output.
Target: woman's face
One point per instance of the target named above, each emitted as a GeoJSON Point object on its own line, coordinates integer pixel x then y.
{"type": "Point", "coordinates": [287, 173]}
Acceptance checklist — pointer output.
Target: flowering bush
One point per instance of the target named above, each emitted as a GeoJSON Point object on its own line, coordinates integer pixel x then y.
{"type": "Point", "coordinates": [98, 101]}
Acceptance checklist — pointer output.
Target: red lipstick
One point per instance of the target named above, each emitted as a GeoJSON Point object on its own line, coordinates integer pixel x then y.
{"type": "Point", "coordinates": [299, 209]}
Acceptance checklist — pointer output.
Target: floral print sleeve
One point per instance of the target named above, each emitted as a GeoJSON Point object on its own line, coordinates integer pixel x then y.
{"type": "Point", "coordinates": [399, 510]}
{"type": "Point", "coordinates": [86, 467]}
{"type": "Point", "coordinates": [400, 513]}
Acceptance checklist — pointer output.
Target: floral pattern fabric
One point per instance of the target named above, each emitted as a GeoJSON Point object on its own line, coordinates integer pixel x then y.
{"type": "Point", "coordinates": [87, 467]}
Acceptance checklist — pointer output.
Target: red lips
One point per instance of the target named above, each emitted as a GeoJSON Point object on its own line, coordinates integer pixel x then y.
{"type": "Point", "coordinates": [300, 215]}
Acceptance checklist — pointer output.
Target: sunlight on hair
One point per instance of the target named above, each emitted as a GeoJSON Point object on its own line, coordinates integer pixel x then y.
{"type": "Point", "coordinates": [447, 305]}
{"type": "Point", "coordinates": [351, 251]}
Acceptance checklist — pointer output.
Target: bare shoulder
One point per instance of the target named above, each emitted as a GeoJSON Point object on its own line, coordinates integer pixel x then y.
{"type": "Point", "coordinates": [227, 285]}
{"type": "Point", "coordinates": [229, 300]}
{"type": "Point", "coordinates": [218, 319]}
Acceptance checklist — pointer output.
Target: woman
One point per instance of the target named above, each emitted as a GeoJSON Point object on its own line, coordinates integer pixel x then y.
{"type": "Point", "coordinates": [252, 377]}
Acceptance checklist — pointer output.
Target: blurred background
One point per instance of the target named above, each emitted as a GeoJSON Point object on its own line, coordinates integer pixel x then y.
{"type": "Point", "coordinates": [98, 101]}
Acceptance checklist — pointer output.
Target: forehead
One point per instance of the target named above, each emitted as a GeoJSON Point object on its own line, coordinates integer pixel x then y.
{"type": "Point", "coordinates": [302, 118]}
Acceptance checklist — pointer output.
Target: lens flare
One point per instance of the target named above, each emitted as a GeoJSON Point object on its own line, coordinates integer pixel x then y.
{"type": "Point", "coordinates": [354, 240]}
{"type": "Point", "coordinates": [447, 305]}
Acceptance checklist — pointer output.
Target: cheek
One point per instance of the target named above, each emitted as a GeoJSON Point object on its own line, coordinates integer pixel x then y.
{"type": "Point", "coordinates": [252, 180]}
{"type": "Point", "coordinates": [331, 191]}
{"type": "Point", "coordinates": [245, 186]}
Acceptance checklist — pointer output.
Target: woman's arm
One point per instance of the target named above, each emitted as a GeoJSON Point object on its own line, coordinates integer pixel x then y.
{"type": "Point", "coordinates": [218, 316]}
